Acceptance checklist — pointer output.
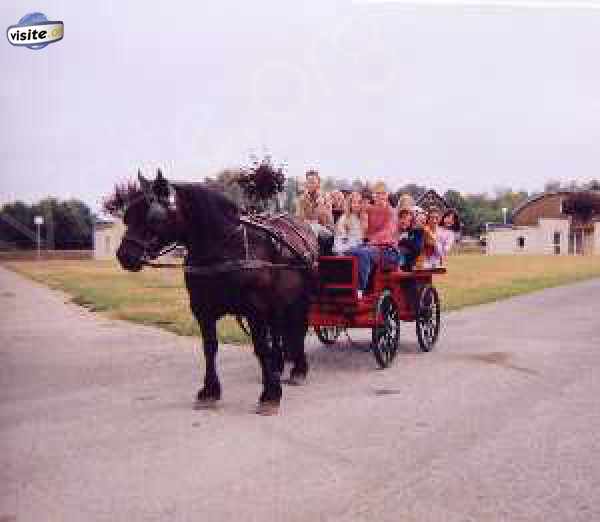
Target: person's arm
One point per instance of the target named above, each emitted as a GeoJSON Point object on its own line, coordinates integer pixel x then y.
{"type": "Point", "coordinates": [364, 222]}
{"type": "Point", "coordinates": [325, 216]}
{"type": "Point", "coordinates": [300, 211]}
{"type": "Point", "coordinates": [429, 241]}
{"type": "Point", "coordinates": [412, 244]}
{"type": "Point", "coordinates": [444, 244]}
{"type": "Point", "coordinates": [419, 239]}
{"type": "Point", "coordinates": [409, 245]}
{"type": "Point", "coordinates": [451, 239]}
{"type": "Point", "coordinates": [340, 228]}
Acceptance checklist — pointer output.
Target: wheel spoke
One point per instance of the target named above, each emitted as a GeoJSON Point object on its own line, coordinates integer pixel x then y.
{"type": "Point", "coordinates": [428, 318]}
{"type": "Point", "coordinates": [386, 333]}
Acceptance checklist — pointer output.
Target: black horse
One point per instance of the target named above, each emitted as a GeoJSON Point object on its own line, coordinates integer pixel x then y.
{"type": "Point", "coordinates": [230, 268]}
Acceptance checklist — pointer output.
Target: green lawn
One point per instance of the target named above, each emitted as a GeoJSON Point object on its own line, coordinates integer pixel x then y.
{"type": "Point", "coordinates": [158, 297]}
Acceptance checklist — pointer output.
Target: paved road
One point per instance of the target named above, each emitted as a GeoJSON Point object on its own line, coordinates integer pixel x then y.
{"type": "Point", "coordinates": [501, 423]}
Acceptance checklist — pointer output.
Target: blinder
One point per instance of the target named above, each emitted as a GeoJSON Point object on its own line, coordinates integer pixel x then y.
{"type": "Point", "coordinates": [157, 214]}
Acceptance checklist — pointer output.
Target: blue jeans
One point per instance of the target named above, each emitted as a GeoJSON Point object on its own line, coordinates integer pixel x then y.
{"type": "Point", "coordinates": [367, 258]}
{"type": "Point", "coordinates": [391, 256]}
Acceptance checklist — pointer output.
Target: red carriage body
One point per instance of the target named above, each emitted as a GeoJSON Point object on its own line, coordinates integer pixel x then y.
{"type": "Point", "coordinates": [392, 296]}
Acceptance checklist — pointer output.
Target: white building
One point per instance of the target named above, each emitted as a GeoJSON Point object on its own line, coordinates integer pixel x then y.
{"type": "Point", "coordinates": [107, 238]}
{"type": "Point", "coordinates": [556, 223]}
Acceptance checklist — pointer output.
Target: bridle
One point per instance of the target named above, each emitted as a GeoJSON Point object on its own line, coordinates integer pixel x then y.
{"type": "Point", "coordinates": [148, 255]}
{"type": "Point", "coordinates": [147, 258]}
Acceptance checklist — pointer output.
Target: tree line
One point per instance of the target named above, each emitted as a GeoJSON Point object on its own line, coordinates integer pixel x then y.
{"type": "Point", "coordinates": [69, 224]}
{"type": "Point", "coordinates": [475, 209]}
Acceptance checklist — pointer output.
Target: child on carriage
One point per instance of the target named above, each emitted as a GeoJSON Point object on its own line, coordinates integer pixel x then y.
{"type": "Point", "coordinates": [410, 239]}
{"type": "Point", "coordinates": [438, 240]}
{"type": "Point", "coordinates": [350, 227]}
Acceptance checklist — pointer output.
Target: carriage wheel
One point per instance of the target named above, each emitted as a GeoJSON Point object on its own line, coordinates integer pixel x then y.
{"type": "Point", "coordinates": [385, 337]}
{"type": "Point", "coordinates": [428, 318]}
{"type": "Point", "coordinates": [328, 334]}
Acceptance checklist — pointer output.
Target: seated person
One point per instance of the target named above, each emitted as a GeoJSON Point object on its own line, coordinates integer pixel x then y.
{"type": "Point", "coordinates": [349, 228]}
{"type": "Point", "coordinates": [437, 243]}
{"type": "Point", "coordinates": [410, 240]}
{"type": "Point", "coordinates": [379, 229]}
{"type": "Point", "coordinates": [419, 222]}
{"type": "Point", "coordinates": [312, 206]}
{"type": "Point", "coordinates": [338, 205]}
{"type": "Point", "coordinates": [450, 227]}
{"type": "Point", "coordinates": [406, 201]}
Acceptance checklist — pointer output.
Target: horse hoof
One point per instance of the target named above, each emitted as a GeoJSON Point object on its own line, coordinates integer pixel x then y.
{"type": "Point", "coordinates": [267, 408]}
{"type": "Point", "coordinates": [206, 404]}
{"type": "Point", "coordinates": [297, 380]}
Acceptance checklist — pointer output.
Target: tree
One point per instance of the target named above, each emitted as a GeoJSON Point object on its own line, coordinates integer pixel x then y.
{"type": "Point", "coordinates": [67, 224]}
{"type": "Point", "coordinates": [16, 224]}
{"type": "Point", "coordinates": [593, 185]}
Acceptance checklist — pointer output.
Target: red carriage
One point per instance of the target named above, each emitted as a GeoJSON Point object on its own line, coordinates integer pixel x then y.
{"type": "Point", "coordinates": [392, 296]}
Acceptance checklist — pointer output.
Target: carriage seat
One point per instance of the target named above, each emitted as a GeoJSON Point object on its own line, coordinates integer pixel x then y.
{"type": "Point", "coordinates": [338, 277]}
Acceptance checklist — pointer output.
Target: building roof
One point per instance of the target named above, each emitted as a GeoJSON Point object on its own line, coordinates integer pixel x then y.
{"type": "Point", "coordinates": [432, 199]}
{"type": "Point", "coordinates": [559, 204]}
{"type": "Point", "coordinates": [537, 198]}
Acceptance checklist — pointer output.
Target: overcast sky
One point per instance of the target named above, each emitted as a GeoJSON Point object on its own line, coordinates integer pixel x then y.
{"type": "Point", "coordinates": [448, 97]}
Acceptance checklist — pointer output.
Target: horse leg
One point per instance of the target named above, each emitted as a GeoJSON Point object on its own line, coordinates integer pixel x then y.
{"type": "Point", "coordinates": [276, 330]}
{"type": "Point", "coordinates": [271, 395]}
{"type": "Point", "coordinates": [277, 348]}
{"type": "Point", "coordinates": [211, 392]}
{"type": "Point", "coordinates": [294, 340]}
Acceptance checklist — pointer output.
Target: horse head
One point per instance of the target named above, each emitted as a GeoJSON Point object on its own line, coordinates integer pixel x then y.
{"type": "Point", "coordinates": [150, 222]}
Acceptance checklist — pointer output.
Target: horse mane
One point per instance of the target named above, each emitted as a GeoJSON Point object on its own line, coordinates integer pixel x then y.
{"type": "Point", "coordinates": [122, 196]}
{"type": "Point", "coordinates": [207, 209]}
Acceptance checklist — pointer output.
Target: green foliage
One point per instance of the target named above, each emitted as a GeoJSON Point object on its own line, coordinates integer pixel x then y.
{"type": "Point", "coordinates": [68, 224]}
{"type": "Point", "coordinates": [476, 210]}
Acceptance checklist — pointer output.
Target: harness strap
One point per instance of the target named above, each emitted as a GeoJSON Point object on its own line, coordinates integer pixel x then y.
{"type": "Point", "coordinates": [278, 236]}
{"type": "Point", "coordinates": [247, 254]}
{"type": "Point", "coordinates": [236, 266]}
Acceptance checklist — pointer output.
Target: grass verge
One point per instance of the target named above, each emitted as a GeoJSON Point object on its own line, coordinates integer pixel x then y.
{"type": "Point", "coordinates": [158, 297]}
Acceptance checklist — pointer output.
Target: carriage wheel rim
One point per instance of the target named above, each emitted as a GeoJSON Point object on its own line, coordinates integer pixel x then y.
{"type": "Point", "coordinates": [387, 334]}
{"type": "Point", "coordinates": [428, 320]}
{"type": "Point", "coordinates": [328, 334]}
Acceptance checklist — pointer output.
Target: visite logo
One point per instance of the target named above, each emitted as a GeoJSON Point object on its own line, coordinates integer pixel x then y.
{"type": "Point", "coordinates": [35, 31]}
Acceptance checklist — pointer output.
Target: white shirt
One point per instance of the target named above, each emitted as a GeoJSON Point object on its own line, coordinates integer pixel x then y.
{"type": "Point", "coordinates": [348, 233]}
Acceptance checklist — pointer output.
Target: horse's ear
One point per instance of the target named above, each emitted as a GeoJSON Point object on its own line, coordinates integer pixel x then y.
{"type": "Point", "coordinates": [161, 185]}
{"type": "Point", "coordinates": [145, 185]}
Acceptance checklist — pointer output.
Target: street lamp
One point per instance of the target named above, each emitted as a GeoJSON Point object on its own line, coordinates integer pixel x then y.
{"type": "Point", "coordinates": [38, 221]}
